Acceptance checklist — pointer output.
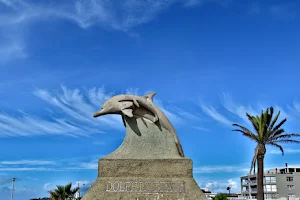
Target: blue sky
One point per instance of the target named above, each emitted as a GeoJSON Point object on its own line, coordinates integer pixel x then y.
{"type": "Point", "coordinates": [209, 61]}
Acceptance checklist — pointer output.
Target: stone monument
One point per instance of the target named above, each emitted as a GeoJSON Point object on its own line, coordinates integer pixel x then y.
{"type": "Point", "coordinates": [150, 163]}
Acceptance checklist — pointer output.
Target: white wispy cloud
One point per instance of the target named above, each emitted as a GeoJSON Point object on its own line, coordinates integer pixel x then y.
{"type": "Point", "coordinates": [5, 181]}
{"type": "Point", "coordinates": [69, 164]}
{"type": "Point", "coordinates": [190, 116]}
{"type": "Point", "coordinates": [283, 11]}
{"type": "Point", "coordinates": [83, 182]}
{"type": "Point", "coordinates": [286, 151]}
{"type": "Point", "coordinates": [190, 3]}
{"type": "Point", "coordinates": [75, 109]}
{"type": "Point", "coordinates": [8, 169]}
{"type": "Point", "coordinates": [255, 8]}
{"type": "Point", "coordinates": [72, 115]}
{"type": "Point", "coordinates": [213, 113]}
{"type": "Point", "coordinates": [114, 15]}
{"type": "Point", "coordinates": [88, 165]}
{"type": "Point", "coordinates": [47, 186]}
{"type": "Point", "coordinates": [45, 169]}
{"type": "Point", "coordinates": [30, 126]}
{"type": "Point", "coordinates": [294, 110]}
{"type": "Point", "coordinates": [201, 128]}
{"type": "Point", "coordinates": [12, 50]}
{"type": "Point", "coordinates": [220, 186]}
{"type": "Point", "coordinates": [237, 109]}
{"type": "Point", "coordinates": [27, 162]}
{"type": "Point", "coordinates": [236, 112]}
{"type": "Point", "coordinates": [108, 14]}
{"type": "Point", "coordinates": [220, 168]}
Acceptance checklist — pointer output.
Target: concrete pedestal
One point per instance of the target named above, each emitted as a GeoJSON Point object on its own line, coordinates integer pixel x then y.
{"type": "Point", "coordinates": [144, 179]}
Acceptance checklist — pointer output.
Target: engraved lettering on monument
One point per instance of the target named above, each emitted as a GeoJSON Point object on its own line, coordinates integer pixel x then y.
{"type": "Point", "coordinates": [146, 187]}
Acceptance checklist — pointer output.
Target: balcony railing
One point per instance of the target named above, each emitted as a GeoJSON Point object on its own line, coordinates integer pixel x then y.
{"type": "Point", "coordinates": [251, 182]}
{"type": "Point", "coordinates": [252, 190]}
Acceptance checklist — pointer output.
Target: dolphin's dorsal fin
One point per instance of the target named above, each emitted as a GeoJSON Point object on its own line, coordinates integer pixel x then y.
{"type": "Point", "coordinates": [135, 102]}
{"type": "Point", "coordinates": [127, 112]}
{"type": "Point", "coordinates": [150, 96]}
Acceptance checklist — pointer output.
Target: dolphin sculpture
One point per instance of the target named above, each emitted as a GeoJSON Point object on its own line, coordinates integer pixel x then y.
{"type": "Point", "coordinates": [141, 106]}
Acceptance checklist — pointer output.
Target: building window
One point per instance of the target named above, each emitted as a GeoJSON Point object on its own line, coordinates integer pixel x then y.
{"type": "Point", "coordinates": [289, 178]}
{"type": "Point", "coordinates": [270, 188]}
{"type": "Point", "coordinates": [291, 187]}
{"type": "Point", "coordinates": [291, 196]}
{"type": "Point", "coordinates": [273, 179]}
{"type": "Point", "coordinates": [270, 179]}
{"type": "Point", "coordinates": [267, 179]}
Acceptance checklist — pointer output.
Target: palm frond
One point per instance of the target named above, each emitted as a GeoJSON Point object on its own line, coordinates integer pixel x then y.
{"type": "Point", "coordinates": [277, 145]}
{"type": "Point", "coordinates": [247, 134]}
{"type": "Point", "coordinates": [75, 190]}
{"type": "Point", "coordinates": [276, 133]}
{"type": "Point", "coordinates": [280, 124]}
{"type": "Point", "coordinates": [254, 159]}
{"type": "Point", "coordinates": [288, 141]}
{"type": "Point", "coordinates": [285, 136]}
{"type": "Point", "coordinates": [269, 117]}
{"type": "Point", "coordinates": [254, 122]}
{"type": "Point", "coordinates": [265, 116]}
{"type": "Point", "coordinates": [68, 186]}
{"type": "Point", "coordinates": [274, 121]}
{"type": "Point", "coordinates": [242, 127]}
{"type": "Point", "coordinates": [261, 125]}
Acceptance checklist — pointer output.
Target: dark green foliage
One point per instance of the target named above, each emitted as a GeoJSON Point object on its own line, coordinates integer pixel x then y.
{"type": "Point", "coordinates": [221, 197]}
{"type": "Point", "coordinates": [63, 192]}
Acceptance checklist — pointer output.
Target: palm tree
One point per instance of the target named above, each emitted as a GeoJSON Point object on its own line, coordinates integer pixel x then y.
{"type": "Point", "coordinates": [63, 192]}
{"type": "Point", "coordinates": [266, 133]}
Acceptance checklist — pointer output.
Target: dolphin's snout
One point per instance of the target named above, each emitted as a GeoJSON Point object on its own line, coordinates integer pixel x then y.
{"type": "Point", "coordinates": [99, 113]}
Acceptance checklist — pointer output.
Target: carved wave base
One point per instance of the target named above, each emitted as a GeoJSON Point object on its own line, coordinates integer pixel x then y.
{"type": "Point", "coordinates": [144, 179]}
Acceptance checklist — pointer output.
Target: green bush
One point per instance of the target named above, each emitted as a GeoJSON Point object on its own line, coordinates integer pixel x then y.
{"type": "Point", "coordinates": [221, 197]}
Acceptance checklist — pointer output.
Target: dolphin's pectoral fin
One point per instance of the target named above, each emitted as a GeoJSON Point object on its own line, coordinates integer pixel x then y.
{"type": "Point", "coordinates": [136, 103]}
{"type": "Point", "coordinates": [158, 125]}
{"type": "Point", "coordinates": [125, 104]}
{"type": "Point", "coordinates": [143, 120]}
{"type": "Point", "coordinates": [123, 119]}
{"type": "Point", "coordinates": [127, 112]}
{"type": "Point", "coordinates": [150, 96]}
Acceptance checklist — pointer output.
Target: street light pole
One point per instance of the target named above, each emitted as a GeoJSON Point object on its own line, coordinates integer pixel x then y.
{"type": "Point", "coordinates": [78, 190]}
{"type": "Point", "coordinates": [12, 189]}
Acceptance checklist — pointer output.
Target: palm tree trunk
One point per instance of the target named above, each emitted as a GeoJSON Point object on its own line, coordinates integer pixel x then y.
{"type": "Point", "coordinates": [260, 171]}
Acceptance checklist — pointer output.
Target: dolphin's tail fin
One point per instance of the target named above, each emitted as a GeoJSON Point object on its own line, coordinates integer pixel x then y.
{"type": "Point", "coordinates": [150, 96]}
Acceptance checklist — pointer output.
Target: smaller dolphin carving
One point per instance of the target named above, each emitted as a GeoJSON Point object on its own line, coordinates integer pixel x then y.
{"type": "Point", "coordinates": [141, 106]}
{"type": "Point", "coordinates": [123, 104]}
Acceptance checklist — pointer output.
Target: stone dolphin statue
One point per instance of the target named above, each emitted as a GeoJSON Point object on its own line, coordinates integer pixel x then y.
{"type": "Point", "coordinates": [141, 106]}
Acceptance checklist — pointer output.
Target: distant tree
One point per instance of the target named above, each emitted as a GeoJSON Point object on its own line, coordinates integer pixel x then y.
{"type": "Point", "coordinates": [63, 192]}
{"type": "Point", "coordinates": [221, 197]}
{"type": "Point", "coordinates": [228, 188]}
